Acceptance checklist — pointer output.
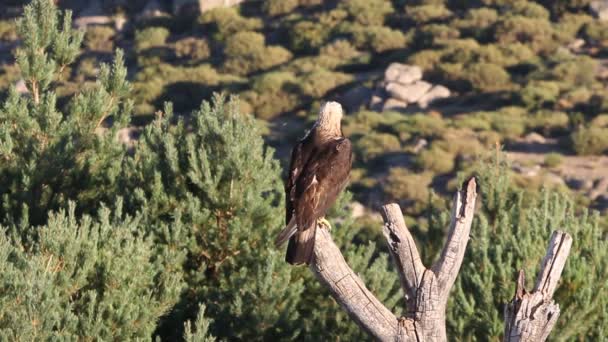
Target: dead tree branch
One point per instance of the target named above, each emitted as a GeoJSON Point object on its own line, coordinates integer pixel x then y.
{"type": "Point", "coordinates": [426, 290]}
{"type": "Point", "coordinates": [531, 316]}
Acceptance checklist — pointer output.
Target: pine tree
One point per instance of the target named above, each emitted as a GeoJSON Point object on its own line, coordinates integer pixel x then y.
{"type": "Point", "coordinates": [213, 174]}
{"type": "Point", "coordinates": [51, 155]}
{"type": "Point", "coordinates": [85, 279]}
{"type": "Point", "coordinates": [65, 275]}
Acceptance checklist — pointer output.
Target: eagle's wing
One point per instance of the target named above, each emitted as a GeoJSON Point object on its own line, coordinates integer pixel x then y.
{"type": "Point", "coordinates": [299, 157]}
{"type": "Point", "coordinates": [316, 189]}
{"type": "Point", "coordinates": [323, 178]}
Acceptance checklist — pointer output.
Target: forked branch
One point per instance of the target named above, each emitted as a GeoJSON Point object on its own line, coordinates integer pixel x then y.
{"type": "Point", "coordinates": [530, 317]}
{"type": "Point", "coordinates": [426, 290]}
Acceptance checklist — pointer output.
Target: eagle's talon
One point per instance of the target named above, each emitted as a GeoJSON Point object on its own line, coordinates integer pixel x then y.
{"type": "Point", "coordinates": [323, 222]}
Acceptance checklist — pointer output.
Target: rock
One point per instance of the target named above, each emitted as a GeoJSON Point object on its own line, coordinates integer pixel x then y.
{"type": "Point", "coordinates": [356, 97]}
{"type": "Point", "coordinates": [408, 93]}
{"type": "Point", "coordinates": [437, 92]}
{"type": "Point", "coordinates": [599, 9]}
{"type": "Point", "coordinates": [20, 87]}
{"type": "Point", "coordinates": [577, 44]}
{"type": "Point", "coordinates": [394, 105]}
{"type": "Point", "coordinates": [535, 138]}
{"type": "Point", "coordinates": [402, 73]}
{"type": "Point", "coordinates": [375, 103]}
{"type": "Point", "coordinates": [420, 144]}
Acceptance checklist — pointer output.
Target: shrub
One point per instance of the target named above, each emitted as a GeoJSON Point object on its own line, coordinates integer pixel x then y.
{"type": "Point", "coordinates": [374, 144]}
{"type": "Point", "coordinates": [367, 12]}
{"type": "Point", "coordinates": [99, 38]}
{"type": "Point", "coordinates": [426, 59]}
{"type": "Point", "coordinates": [246, 52]}
{"type": "Point", "coordinates": [194, 49]}
{"type": "Point", "coordinates": [89, 278]}
{"type": "Point", "coordinates": [340, 49]}
{"type": "Point", "coordinates": [536, 33]}
{"type": "Point", "coordinates": [553, 160]}
{"type": "Point", "coordinates": [597, 31]}
{"type": "Point", "coordinates": [590, 140]}
{"type": "Point", "coordinates": [529, 9]}
{"type": "Point", "coordinates": [273, 93]}
{"type": "Point", "coordinates": [279, 7]}
{"type": "Point", "coordinates": [570, 24]}
{"type": "Point", "coordinates": [486, 77]}
{"type": "Point", "coordinates": [436, 160]}
{"type": "Point", "coordinates": [226, 21]}
{"type": "Point", "coordinates": [539, 94]}
{"type": "Point", "coordinates": [411, 189]}
{"type": "Point", "coordinates": [381, 39]}
{"type": "Point", "coordinates": [438, 33]}
{"type": "Point", "coordinates": [320, 81]}
{"type": "Point", "coordinates": [574, 71]}
{"type": "Point", "coordinates": [477, 21]}
{"type": "Point", "coordinates": [509, 121]}
{"type": "Point", "coordinates": [426, 13]}
{"type": "Point", "coordinates": [7, 31]}
{"type": "Point", "coordinates": [150, 37]}
{"type": "Point", "coordinates": [307, 36]}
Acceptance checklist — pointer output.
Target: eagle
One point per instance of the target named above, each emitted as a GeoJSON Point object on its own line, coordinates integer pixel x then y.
{"type": "Point", "coordinates": [318, 171]}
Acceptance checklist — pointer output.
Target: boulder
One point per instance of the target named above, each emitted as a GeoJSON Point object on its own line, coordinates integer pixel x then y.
{"type": "Point", "coordinates": [437, 92]}
{"type": "Point", "coordinates": [402, 73]}
{"type": "Point", "coordinates": [356, 97]}
{"type": "Point", "coordinates": [394, 105]}
{"type": "Point", "coordinates": [535, 138]}
{"type": "Point", "coordinates": [408, 93]}
{"type": "Point", "coordinates": [599, 9]}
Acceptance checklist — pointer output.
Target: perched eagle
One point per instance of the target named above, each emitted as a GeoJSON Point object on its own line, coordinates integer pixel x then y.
{"type": "Point", "coordinates": [318, 172]}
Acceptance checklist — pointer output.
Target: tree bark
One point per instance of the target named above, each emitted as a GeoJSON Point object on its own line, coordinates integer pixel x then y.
{"type": "Point", "coordinates": [426, 290]}
{"type": "Point", "coordinates": [531, 316]}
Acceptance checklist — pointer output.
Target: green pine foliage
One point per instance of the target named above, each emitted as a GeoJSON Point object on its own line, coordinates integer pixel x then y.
{"type": "Point", "coordinates": [511, 232]}
{"type": "Point", "coordinates": [89, 279]}
{"type": "Point", "coordinates": [50, 154]}
{"type": "Point", "coordinates": [200, 331]}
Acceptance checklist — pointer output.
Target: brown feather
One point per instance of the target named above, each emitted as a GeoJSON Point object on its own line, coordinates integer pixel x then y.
{"type": "Point", "coordinates": [301, 247]}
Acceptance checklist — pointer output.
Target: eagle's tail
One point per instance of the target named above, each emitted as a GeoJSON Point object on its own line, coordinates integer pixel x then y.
{"type": "Point", "coordinates": [301, 246]}
{"type": "Point", "coordinates": [286, 233]}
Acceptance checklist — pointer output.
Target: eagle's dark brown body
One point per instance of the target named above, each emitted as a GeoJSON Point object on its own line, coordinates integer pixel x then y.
{"type": "Point", "coordinates": [318, 172]}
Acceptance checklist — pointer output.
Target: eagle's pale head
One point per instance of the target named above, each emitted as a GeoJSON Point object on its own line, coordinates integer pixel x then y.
{"type": "Point", "coordinates": [330, 116]}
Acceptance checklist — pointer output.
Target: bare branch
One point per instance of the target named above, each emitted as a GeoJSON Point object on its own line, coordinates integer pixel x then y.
{"type": "Point", "coordinates": [447, 267]}
{"type": "Point", "coordinates": [404, 252]}
{"type": "Point", "coordinates": [349, 291]}
{"type": "Point", "coordinates": [531, 316]}
{"type": "Point", "coordinates": [553, 263]}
